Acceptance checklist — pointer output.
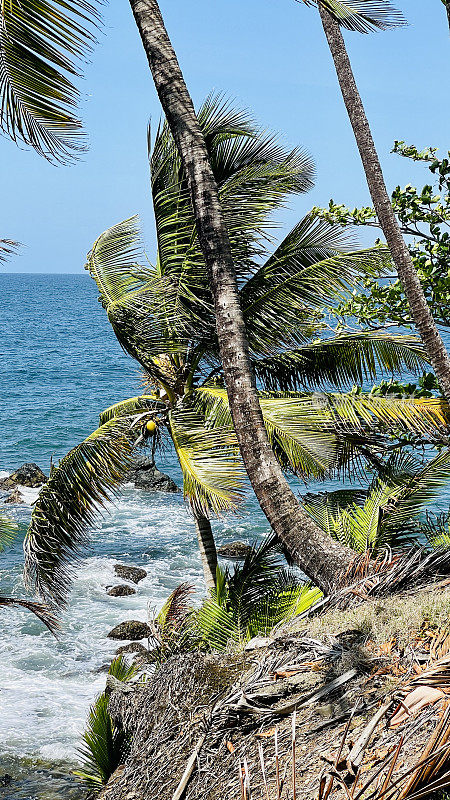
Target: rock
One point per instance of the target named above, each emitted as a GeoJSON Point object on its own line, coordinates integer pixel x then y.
{"type": "Point", "coordinates": [27, 475]}
{"type": "Point", "coordinates": [133, 647]}
{"type": "Point", "coordinates": [131, 629]}
{"type": "Point", "coordinates": [259, 642]}
{"type": "Point", "coordinates": [15, 497]}
{"type": "Point", "coordinates": [145, 475]}
{"type": "Point", "coordinates": [5, 780]}
{"type": "Point", "coordinates": [237, 550]}
{"type": "Point", "coordinates": [120, 591]}
{"type": "Point", "coordinates": [130, 573]}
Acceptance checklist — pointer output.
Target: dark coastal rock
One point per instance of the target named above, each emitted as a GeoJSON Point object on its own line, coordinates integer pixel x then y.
{"type": "Point", "coordinates": [236, 550]}
{"type": "Point", "coordinates": [132, 647]}
{"type": "Point", "coordinates": [5, 780]}
{"type": "Point", "coordinates": [130, 573]}
{"type": "Point", "coordinates": [27, 475]}
{"type": "Point", "coordinates": [131, 629]}
{"type": "Point", "coordinates": [15, 498]}
{"type": "Point", "coordinates": [120, 591]}
{"type": "Point", "coordinates": [145, 475]}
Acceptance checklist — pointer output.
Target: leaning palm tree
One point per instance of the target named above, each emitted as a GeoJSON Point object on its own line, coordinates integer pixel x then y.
{"type": "Point", "coordinates": [364, 16]}
{"type": "Point", "coordinates": [163, 316]}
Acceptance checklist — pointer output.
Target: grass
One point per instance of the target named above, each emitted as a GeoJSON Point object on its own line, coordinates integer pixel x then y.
{"type": "Point", "coordinates": [382, 620]}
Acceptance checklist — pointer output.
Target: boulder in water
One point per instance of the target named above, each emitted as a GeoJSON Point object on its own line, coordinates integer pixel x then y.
{"type": "Point", "coordinates": [132, 629]}
{"type": "Point", "coordinates": [235, 550]}
{"type": "Point", "coordinates": [130, 573]}
{"type": "Point", "coordinates": [132, 647]}
{"type": "Point", "coordinates": [120, 591]}
{"type": "Point", "coordinates": [15, 498]}
{"type": "Point", "coordinates": [145, 475]}
{"type": "Point", "coordinates": [27, 475]}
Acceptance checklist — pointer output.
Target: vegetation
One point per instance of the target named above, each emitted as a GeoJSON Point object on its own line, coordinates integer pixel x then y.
{"type": "Point", "coordinates": [104, 744]}
{"type": "Point", "coordinates": [163, 316]}
{"type": "Point", "coordinates": [390, 513]}
{"type": "Point", "coordinates": [424, 216]}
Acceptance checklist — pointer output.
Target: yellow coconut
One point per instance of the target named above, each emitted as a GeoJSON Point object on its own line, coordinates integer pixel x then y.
{"type": "Point", "coordinates": [151, 427]}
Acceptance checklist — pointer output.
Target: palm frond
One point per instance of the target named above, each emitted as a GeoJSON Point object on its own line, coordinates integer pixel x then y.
{"type": "Point", "coordinates": [254, 173]}
{"type": "Point", "coordinates": [302, 416]}
{"type": "Point", "coordinates": [175, 610]}
{"type": "Point", "coordinates": [341, 361]}
{"type": "Point", "coordinates": [8, 530]}
{"type": "Point", "coordinates": [132, 405]}
{"type": "Point", "coordinates": [422, 488]}
{"type": "Point", "coordinates": [42, 43]}
{"type": "Point", "coordinates": [43, 612]}
{"type": "Point", "coordinates": [7, 248]}
{"type": "Point", "coordinates": [362, 16]}
{"type": "Point", "coordinates": [213, 473]}
{"type": "Point", "coordinates": [69, 502]}
{"type": "Point", "coordinates": [104, 744]}
{"type": "Point", "coordinates": [312, 267]}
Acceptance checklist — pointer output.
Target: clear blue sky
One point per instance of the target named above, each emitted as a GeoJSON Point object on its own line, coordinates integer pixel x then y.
{"type": "Point", "coordinates": [270, 56]}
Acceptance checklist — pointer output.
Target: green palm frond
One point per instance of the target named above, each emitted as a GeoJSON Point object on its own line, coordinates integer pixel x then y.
{"type": "Point", "coordinates": [133, 405]}
{"type": "Point", "coordinates": [335, 412]}
{"type": "Point", "coordinates": [42, 43]}
{"type": "Point", "coordinates": [312, 267]}
{"type": "Point", "coordinates": [8, 530]}
{"type": "Point", "coordinates": [104, 744]}
{"type": "Point", "coordinates": [362, 16]}
{"type": "Point", "coordinates": [68, 504]}
{"type": "Point", "coordinates": [423, 486]}
{"type": "Point", "coordinates": [436, 529]}
{"type": "Point", "coordinates": [254, 173]}
{"type": "Point", "coordinates": [251, 601]}
{"type": "Point", "coordinates": [7, 248]}
{"type": "Point", "coordinates": [389, 515]}
{"type": "Point", "coordinates": [115, 261]}
{"type": "Point", "coordinates": [341, 361]}
{"type": "Point", "coordinates": [213, 473]}
{"type": "Point", "coordinates": [143, 306]}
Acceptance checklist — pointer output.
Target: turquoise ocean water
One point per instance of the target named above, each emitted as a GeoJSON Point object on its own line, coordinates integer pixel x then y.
{"type": "Point", "coordinates": [61, 365]}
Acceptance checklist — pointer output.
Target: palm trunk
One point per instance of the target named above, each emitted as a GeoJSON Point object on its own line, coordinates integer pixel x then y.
{"type": "Point", "coordinates": [322, 559]}
{"type": "Point", "coordinates": [420, 311]}
{"type": "Point", "coordinates": [447, 8]}
{"type": "Point", "coordinates": [207, 547]}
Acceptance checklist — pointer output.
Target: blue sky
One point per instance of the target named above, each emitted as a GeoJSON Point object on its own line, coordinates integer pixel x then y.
{"type": "Point", "coordinates": [269, 56]}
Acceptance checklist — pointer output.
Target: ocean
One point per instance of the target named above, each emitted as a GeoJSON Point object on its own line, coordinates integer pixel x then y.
{"type": "Point", "coordinates": [61, 366]}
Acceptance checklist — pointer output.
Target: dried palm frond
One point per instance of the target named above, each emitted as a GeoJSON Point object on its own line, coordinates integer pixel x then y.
{"type": "Point", "coordinates": [40, 610]}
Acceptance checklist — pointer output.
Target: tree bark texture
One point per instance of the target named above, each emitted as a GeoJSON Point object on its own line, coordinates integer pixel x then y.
{"type": "Point", "coordinates": [420, 311]}
{"type": "Point", "coordinates": [207, 547]}
{"type": "Point", "coordinates": [322, 559]}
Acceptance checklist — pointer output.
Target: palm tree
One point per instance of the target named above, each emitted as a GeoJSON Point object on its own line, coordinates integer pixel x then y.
{"type": "Point", "coordinates": [163, 316]}
{"type": "Point", "coordinates": [363, 16]}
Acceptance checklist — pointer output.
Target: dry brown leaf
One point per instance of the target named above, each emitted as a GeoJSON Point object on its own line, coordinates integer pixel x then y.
{"type": "Point", "coordinates": [414, 702]}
